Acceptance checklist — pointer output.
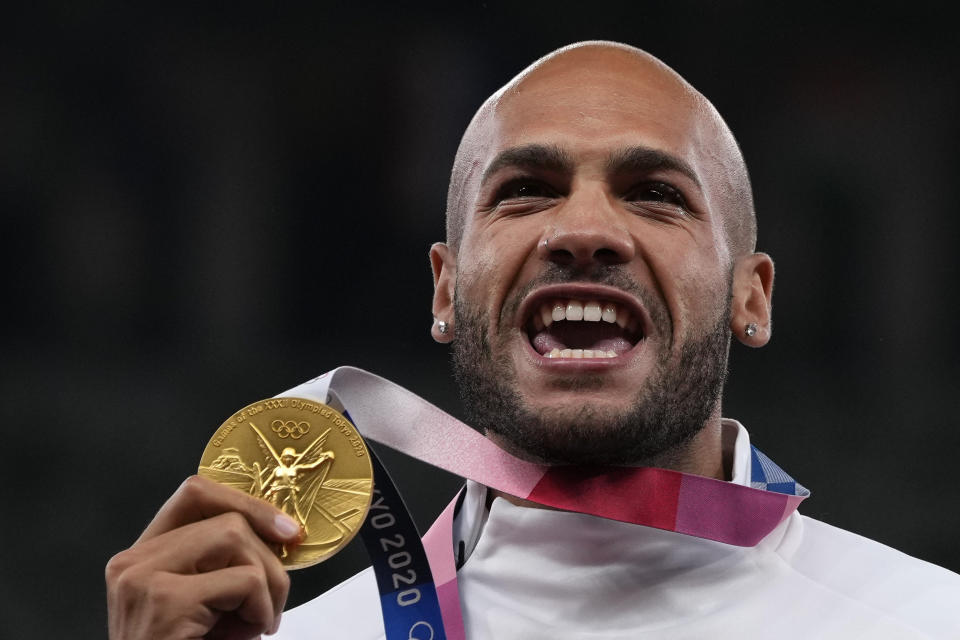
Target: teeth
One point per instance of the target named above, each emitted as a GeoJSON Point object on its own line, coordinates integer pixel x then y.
{"type": "Point", "coordinates": [546, 315]}
{"type": "Point", "coordinates": [580, 310]}
{"type": "Point", "coordinates": [559, 311]}
{"type": "Point", "coordinates": [622, 317]}
{"type": "Point", "coordinates": [609, 313]}
{"type": "Point", "coordinates": [592, 312]}
{"type": "Point", "coordinates": [580, 353]}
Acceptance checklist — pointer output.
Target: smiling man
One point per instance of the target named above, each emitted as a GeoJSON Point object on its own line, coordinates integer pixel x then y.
{"type": "Point", "coordinates": [600, 251]}
{"type": "Point", "coordinates": [599, 258]}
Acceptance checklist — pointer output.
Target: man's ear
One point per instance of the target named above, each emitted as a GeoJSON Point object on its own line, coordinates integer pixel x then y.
{"type": "Point", "coordinates": [444, 265]}
{"type": "Point", "coordinates": [752, 304]}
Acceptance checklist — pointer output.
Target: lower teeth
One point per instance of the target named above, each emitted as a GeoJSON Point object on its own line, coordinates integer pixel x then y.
{"type": "Point", "coordinates": [581, 353]}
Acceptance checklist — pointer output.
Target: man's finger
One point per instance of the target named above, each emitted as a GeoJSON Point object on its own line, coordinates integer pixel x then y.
{"type": "Point", "coordinates": [199, 499]}
{"type": "Point", "coordinates": [211, 545]}
{"type": "Point", "coordinates": [241, 590]}
{"type": "Point", "coordinates": [207, 545]}
{"type": "Point", "coordinates": [214, 572]}
{"type": "Point", "coordinates": [234, 598]}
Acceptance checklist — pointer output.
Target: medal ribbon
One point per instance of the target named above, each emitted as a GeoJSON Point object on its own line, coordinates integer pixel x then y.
{"type": "Point", "coordinates": [659, 498]}
{"type": "Point", "coordinates": [408, 595]}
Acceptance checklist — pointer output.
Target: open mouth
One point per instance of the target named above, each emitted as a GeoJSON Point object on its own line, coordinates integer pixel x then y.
{"type": "Point", "coordinates": [582, 328]}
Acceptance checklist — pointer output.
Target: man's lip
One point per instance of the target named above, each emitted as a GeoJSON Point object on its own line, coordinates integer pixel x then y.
{"type": "Point", "coordinates": [584, 291]}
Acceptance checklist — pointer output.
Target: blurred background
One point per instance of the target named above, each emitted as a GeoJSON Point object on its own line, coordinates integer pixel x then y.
{"type": "Point", "coordinates": [205, 206]}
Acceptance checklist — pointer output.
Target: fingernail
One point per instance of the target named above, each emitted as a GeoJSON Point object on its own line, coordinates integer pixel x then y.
{"type": "Point", "coordinates": [286, 526]}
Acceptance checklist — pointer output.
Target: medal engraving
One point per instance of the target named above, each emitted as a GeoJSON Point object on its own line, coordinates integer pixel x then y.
{"type": "Point", "coordinates": [304, 458]}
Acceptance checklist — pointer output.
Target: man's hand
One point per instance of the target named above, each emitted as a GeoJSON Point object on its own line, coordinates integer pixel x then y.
{"type": "Point", "coordinates": [202, 568]}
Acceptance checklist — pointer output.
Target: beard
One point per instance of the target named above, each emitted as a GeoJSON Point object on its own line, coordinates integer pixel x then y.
{"type": "Point", "coordinates": [669, 409]}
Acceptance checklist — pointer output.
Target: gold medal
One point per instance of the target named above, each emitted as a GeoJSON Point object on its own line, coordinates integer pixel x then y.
{"type": "Point", "coordinates": [304, 458]}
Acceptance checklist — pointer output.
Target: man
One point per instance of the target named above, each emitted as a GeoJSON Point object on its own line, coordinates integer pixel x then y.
{"type": "Point", "coordinates": [599, 256]}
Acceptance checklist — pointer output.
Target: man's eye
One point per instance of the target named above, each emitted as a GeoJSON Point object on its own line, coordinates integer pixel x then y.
{"type": "Point", "coordinates": [657, 192]}
{"type": "Point", "coordinates": [524, 189]}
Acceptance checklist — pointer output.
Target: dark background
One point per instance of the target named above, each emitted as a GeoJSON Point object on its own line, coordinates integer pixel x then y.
{"type": "Point", "coordinates": [203, 207]}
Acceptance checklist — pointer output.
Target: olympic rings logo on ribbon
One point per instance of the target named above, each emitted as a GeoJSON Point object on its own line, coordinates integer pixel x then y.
{"type": "Point", "coordinates": [290, 429]}
{"type": "Point", "coordinates": [421, 623]}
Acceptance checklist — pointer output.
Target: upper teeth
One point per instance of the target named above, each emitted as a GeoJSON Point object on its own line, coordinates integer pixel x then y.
{"type": "Point", "coordinates": [588, 310]}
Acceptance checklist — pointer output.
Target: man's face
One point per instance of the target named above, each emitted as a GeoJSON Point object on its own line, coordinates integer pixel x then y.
{"type": "Point", "coordinates": [593, 277]}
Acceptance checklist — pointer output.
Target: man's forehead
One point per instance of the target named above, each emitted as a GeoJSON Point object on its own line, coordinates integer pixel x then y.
{"type": "Point", "coordinates": [591, 92]}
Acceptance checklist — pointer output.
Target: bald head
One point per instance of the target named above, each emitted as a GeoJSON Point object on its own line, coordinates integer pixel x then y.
{"type": "Point", "coordinates": [692, 118]}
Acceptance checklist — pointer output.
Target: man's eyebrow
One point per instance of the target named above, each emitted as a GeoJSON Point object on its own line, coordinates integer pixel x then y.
{"type": "Point", "coordinates": [530, 156]}
{"type": "Point", "coordinates": [645, 159]}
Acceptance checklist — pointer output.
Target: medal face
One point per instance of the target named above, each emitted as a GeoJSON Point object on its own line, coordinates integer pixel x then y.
{"type": "Point", "coordinates": [304, 458]}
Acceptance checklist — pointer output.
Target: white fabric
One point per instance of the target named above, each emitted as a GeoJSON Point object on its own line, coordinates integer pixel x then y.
{"type": "Point", "coordinates": [538, 574]}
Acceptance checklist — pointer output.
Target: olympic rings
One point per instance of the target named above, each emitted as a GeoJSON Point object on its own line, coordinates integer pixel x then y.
{"type": "Point", "coordinates": [290, 429]}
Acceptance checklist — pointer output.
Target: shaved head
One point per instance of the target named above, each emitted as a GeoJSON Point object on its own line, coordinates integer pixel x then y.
{"type": "Point", "coordinates": [729, 189]}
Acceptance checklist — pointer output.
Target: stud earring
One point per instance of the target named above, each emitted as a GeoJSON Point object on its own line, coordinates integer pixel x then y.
{"type": "Point", "coordinates": [751, 330]}
{"type": "Point", "coordinates": [442, 326]}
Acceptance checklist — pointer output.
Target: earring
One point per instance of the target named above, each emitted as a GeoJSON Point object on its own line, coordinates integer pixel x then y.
{"type": "Point", "coordinates": [751, 330]}
{"type": "Point", "coordinates": [442, 326]}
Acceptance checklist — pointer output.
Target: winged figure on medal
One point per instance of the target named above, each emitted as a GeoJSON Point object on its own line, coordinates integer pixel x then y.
{"type": "Point", "coordinates": [297, 484]}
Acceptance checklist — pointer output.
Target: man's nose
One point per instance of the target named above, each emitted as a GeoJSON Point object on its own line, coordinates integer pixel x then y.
{"type": "Point", "coordinates": [587, 230]}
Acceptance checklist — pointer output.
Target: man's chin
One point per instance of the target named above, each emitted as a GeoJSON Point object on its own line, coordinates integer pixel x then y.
{"type": "Point", "coordinates": [567, 412]}
{"type": "Point", "coordinates": [582, 434]}
{"type": "Point", "coordinates": [558, 448]}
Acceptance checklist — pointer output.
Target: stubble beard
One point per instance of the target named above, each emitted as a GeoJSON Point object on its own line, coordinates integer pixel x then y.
{"type": "Point", "coordinates": [672, 406]}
